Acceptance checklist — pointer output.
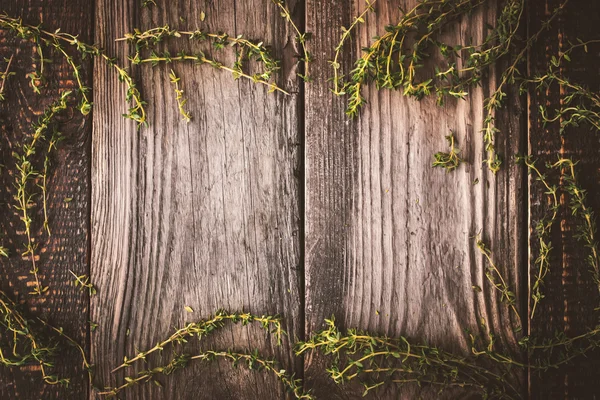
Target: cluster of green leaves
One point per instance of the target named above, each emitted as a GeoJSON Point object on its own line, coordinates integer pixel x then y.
{"type": "Point", "coordinates": [451, 160]}
{"type": "Point", "coordinates": [377, 360]}
{"type": "Point", "coordinates": [83, 282]}
{"type": "Point", "coordinates": [399, 57]}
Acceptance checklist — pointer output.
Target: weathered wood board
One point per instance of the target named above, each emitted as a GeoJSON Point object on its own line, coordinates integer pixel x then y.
{"type": "Point", "coordinates": [66, 249]}
{"type": "Point", "coordinates": [570, 297]}
{"type": "Point", "coordinates": [203, 214]}
{"type": "Point", "coordinates": [390, 241]}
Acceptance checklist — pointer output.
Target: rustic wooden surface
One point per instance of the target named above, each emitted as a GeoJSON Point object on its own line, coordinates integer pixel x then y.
{"type": "Point", "coordinates": [67, 248]}
{"type": "Point", "coordinates": [308, 213]}
{"type": "Point", "coordinates": [203, 214]}
{"type": "Point", "coordinates": [389, 240]}
{"type": "Point", "coordinates": [570, 295]}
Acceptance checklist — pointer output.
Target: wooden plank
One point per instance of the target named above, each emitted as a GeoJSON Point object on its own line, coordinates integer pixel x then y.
{"type": "Point", "coordinates": [203, 214]}
{"type": "Point", "coordinates": [389, 244]}
{"type": "Point", "coordinates": [67, 247]}
{"type": "Point", "coordinates": [570, 296]}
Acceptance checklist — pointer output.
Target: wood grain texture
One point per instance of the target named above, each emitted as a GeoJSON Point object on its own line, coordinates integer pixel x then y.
{"type": "Point", "coordinates": [570, 296]}
{"type": "Point", "coordinates": [67, 248]}
{"type": "Point", "coordinates": [389, 240]}
{"type": "Point", "coordinates": [203, 214]}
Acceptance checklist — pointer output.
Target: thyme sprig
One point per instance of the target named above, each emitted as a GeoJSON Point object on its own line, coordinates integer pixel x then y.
{"type": "Point", "coordinates": [37, 78]}
{"type": "Point", "coordinates": [301, 38]}
{"type": "Point", "coordinates": [543, 229]}
{"type": "Point", "coordinates": [498, 282]}
{"type": "Point", "coordinates": [200, 58]}
{"type": "Point", "coordinates": [579, 208]}
{"type": "Point", "coordinates": [25, 345]}
{"type": "Point", "coordinates": [390, 64]}
{"type": "Point", "coordinates": [181, 101]}
{"type": "Point", "coordinates": [378, 360]}
{"type": "Point", "coordinates": [578, 104]}
{"type": "Point", "coordinates": [245, 50]}
{"type": "Point", "coordinates": [251, 359]}
{"type": "Point", "coordinates": [393, 59]}
{"type": "Point", "coordinates": [203, 328]}
{"type": "Point", "coordinates": [84, 282]}
{"type": "Point", "coordinates": [510, 76]}
{"type": "Point", "coordinates": [25, 167]}
{"type": "Point", "coordinates": [347, 34]}
{"type": "Point", "coordinates": [451, 160]}
{"type": "Point", "coordinates": [52, 143]}
{"type": "Point", "coordinates": [89, 368]}
{"type": "Point", "coordinates": [4, 76]}
{"type": "Point", "coordinates": [42, 37]}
